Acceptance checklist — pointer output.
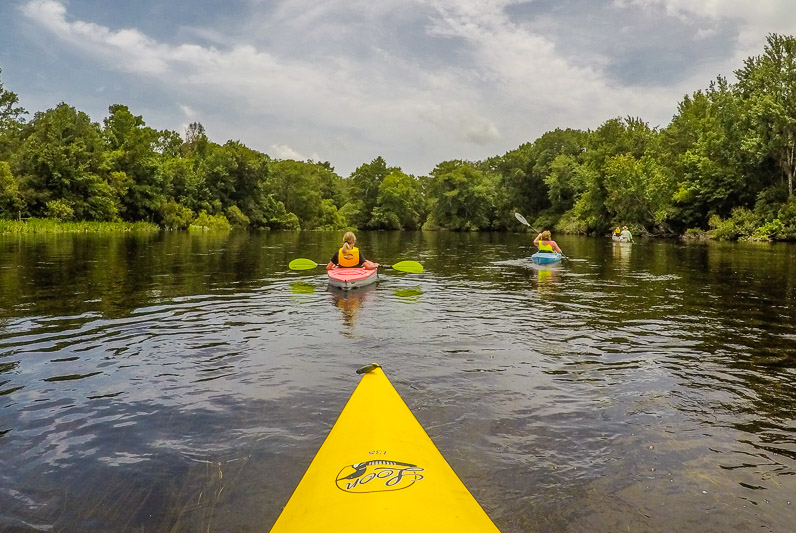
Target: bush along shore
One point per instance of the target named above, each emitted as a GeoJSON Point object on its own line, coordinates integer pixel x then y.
{"type": "Point", "coordinates": [45, 225]}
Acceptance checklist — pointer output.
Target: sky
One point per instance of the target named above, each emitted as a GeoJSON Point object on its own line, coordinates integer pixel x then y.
{"type": "Point", "coordinates": [417, 82]}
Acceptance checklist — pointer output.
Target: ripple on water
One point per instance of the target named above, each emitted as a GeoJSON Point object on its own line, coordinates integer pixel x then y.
{"type": "Point", "coordinates": [635, 393]}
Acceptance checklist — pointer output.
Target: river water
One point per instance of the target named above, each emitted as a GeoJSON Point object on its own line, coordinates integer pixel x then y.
{"type": "Point", "coordinates": [183, 382]}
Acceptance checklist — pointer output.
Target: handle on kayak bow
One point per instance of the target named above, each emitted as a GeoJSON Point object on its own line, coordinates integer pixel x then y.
{"type": "Point", "coordinates": [368, 368]}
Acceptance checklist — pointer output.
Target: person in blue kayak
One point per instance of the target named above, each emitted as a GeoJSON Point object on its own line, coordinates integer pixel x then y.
{"type": "Point", "coordinates": [348, 256]}
{"type": "Point", "coordinates": [545, 245]}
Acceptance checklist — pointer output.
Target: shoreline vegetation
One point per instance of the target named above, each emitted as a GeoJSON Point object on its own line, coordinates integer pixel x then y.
{"type": "Point", "coordinates": [43, 226]}
{"type": "Point", "coordinates": [723, 168]}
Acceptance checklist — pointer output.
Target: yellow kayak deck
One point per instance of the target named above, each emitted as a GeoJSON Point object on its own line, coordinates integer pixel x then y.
{"type": "Point", "coordinates": [378, 471]}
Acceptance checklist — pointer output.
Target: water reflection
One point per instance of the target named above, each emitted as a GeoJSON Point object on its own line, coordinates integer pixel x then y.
{"type": "Point", "coordinates": [302, 291]}
{"type": "Point", "coordinates": [409, 294]}
{"type": "Point", "coordinates": [622, 252]}
{"type": "Point", "coordinates": [547, 276]}
{"type": "Point", "coordinates": [175, 382]}
{"type": "Point", "coordinates": [349, 301]}
{"type": "Point", "coordinates": [302, 287]}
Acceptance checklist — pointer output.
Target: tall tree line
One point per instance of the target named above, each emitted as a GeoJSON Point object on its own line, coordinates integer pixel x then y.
{"type": "Point", "coordinates": [724, 166]}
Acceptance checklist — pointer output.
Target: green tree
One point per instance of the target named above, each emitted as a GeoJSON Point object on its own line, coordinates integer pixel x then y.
{"type": "Point", "coordinates": [186, 175]}
{"type": "Point", "coordinates": [235, 175]}
{"type": "Point", "coordinates": [236, 217]}
{"type": "Point", "coordinates": [62, 157]}
{"type": "Point", "coordinates": [10, 112]}
{"type": "Point", "coordinates": [702, 148]}
{"type": "Point", "coordinates": [177, 175]}
{"type": "Point", "coordinates": [330, 217]}
{"type": "Point", "coordinates": [301, 187]}
{"type": "Point", "coordinates": [196, 141]}
{"type": "Point", "coordinates": [176, 216]}
{"type": "Point", "coordinates": [564, 182]}
{"type": "Point", "coordinates": [399, 203]}
{"type": "Point", "coordinates": [525, 173]}
{"type": "Point", "coordinates": [132, 151]}
{"type": "Point", "coordinates": [11, 120]}
{"type": "Point", "coordinates": [767, 85]}
{"type": "Point", "coordinates": [363, 191]}
{"type": "Point", "coordinates": [11, 203]}
{"type": "Point", "coordinates": [463, 197]}
{"type": "Point", "coordinates": [331, 185]}
{"type": "Point", "coordinates": [638, 191]}
{"type": "Point", "coordinates": [627, 137]}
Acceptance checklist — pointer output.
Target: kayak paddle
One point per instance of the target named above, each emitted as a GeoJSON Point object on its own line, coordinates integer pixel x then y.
{"type": "Point", "coordinates": [407, 266]}
{"type": "Point", "coordinates": [403, 266]}
{"type": "Point", "coordinates": [522, 220]}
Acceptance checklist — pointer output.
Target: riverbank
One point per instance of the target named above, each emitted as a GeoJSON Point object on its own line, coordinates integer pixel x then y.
{"type": "Point", "coordinates": [48, 225]}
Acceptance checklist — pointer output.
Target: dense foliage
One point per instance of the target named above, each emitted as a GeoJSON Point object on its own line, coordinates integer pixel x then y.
{"type": "Point", "coordinates": [724, 168]}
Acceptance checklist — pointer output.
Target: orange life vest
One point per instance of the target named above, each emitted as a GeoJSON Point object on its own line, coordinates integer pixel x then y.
{"type": "Point", "coordinates": [348, 259]}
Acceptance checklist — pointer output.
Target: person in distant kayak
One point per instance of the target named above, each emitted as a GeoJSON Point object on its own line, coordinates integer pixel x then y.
{"type": "Point", "coordinates": [617, 231]}
{"type": "Point", "coordinates": [348, 256]}
{"type": "Point", "coordinates": [545, 245]}
{"type": "Point", "coordinates": [626, 234]}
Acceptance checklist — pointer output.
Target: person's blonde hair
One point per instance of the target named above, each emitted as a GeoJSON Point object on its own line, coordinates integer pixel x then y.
{"type": "Point", "coordinates": [545, 235]}
{"type": "Point", "coordinates": [349, 240]}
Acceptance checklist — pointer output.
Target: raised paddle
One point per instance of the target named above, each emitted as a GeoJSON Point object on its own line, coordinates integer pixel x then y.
{"type": "Point", "coordinates": [522, 220]}
{"type": "Point", "coordinates": [403, 266]}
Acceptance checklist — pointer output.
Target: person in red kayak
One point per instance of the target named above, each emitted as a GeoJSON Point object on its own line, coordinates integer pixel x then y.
{"type": "Point", "coordinates": [348, 256]}
{"type": "Point", "coordinates": [545, 245]}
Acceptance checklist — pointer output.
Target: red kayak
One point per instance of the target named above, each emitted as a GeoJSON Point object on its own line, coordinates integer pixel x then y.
{"type": "Point", "coordinates": [352, 278]}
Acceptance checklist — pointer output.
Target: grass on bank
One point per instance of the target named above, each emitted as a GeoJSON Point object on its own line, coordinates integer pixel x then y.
{"type": "Point", "coordinates": [49, 225]}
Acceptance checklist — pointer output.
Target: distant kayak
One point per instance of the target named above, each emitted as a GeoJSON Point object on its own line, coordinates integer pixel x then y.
{"type": "Point", "coordinates": [617, 238]}
{"type": "Point", "coordinates": [546, 258]}
{"type": "Point", "coordinates": [378, 470]}
{"type": "Point", "coordinates": [352, 278]}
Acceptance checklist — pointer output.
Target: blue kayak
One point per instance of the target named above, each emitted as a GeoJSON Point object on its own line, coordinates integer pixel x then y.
{"type": "Point", "coordinates": [546, 258]}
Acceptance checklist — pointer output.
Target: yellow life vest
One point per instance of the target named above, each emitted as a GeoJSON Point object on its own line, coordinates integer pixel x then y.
{"type": "Point", "coordinates": [545, 246]}
{"type": "Point", "coordinates": [349, 258]}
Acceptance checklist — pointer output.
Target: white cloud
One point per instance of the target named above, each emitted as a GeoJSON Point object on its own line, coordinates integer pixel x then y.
{"type": "Point", "coordinates": [533, 78]}
{"type": "Point", "coordinates": [188, 111]}
{"type": "Point", "coordinates": [340, 79]}
{"type": "Point", "coordinates": [462, 123]}
{"type": "Point", "coordinates": [706, 33]}
{"type": "Point", "coordinates": [283, 151]}
{"type": "Point", "coordinates": [132, 50]}
{"type": "Point", "coordinates": [755, 19]}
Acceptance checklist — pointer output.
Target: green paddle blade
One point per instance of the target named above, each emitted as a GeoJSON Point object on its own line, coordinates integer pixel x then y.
{"type": "Point", "coordinates": [409, 266]}
{"type": "Point", "coordinates": [302, 264]}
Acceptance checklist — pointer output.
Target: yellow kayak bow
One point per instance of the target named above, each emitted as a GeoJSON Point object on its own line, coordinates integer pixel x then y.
{"type": "Point", "coordinates": [378, 471]}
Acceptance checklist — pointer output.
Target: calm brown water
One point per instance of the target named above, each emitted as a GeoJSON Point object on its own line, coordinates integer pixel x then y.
{"type": "Point", "coordinates": [183, 382]}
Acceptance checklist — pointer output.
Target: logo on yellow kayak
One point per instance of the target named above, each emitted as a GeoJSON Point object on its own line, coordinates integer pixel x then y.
{"type": "Point", "coordinates": [378, 476]}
